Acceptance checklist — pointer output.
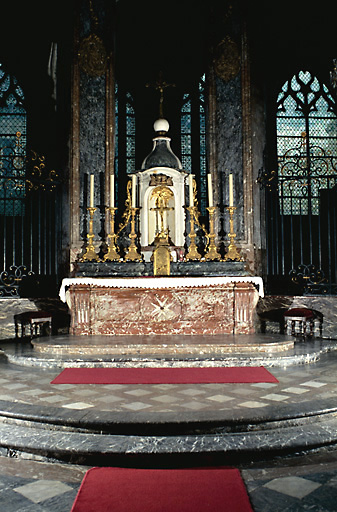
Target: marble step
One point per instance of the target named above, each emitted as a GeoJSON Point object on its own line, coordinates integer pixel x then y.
{"type": "Point", "coordinates": [95, 437]}
{"type": "Point", "coordinates": [101, 449]}
{"type": "Point", "coordinates": [164, 423]}
{"type": "Point", "coordinates": [102, 351]}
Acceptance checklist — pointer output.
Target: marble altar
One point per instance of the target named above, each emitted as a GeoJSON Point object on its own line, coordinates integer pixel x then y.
{"type": "Point", "coordinates": [164, 305]}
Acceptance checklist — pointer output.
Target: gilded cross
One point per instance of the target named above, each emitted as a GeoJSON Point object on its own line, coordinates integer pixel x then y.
{"type": "Point", "coordinates": [160, 86]}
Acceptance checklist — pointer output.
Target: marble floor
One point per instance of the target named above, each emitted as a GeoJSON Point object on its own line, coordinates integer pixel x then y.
{"type": "Point", "coordinates": [294, 482]}
{"type": "Point", "coordinates": [303, 483]}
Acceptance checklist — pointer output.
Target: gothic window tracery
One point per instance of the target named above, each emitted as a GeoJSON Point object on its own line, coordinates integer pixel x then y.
{"type": "Point", "coordinates": [306, 144]}
{"type": "Point", "coordinates": [13, 128]}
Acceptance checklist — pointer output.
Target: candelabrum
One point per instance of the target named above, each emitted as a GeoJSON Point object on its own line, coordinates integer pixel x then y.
{"type": "Point", "coordinates": [112, 254]}
{"type": "Point", "coordinates": [192, 253]}
{"type": "Point", "coordinates": [232, 252]}
{"type": "Point", "coordinates": [211, 250]}
{"type": "Point", "coordinates": [90, 253]}
{"type": "Point", "coordinates": [132, 253]}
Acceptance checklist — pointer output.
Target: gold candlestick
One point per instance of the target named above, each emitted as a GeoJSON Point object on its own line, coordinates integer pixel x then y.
{"type": "Point", "coordinates": [112, 254]}
{"type": "Point", "coordinates": [133, 254]}
{"type": "Point", "coordinates": [211, 250]}
{"type": "Point", "coordinates": [192, 253]}
{"type": "Point", "coordinates": [232, 253]}
{"type": "Point", "coordinates": [90, 253]}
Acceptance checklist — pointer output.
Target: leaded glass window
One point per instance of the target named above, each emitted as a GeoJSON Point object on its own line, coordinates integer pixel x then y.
{"type": "Point", "coordinates": [193, 137]}
{"type": "Point", "coordinates": [130, 135]}
{"type": "Point", "coordinates": [13, 135]}
{"type": "Point", "coordinates": [306, 144]}
{"type": "Point", "coordinates": [125, 132]}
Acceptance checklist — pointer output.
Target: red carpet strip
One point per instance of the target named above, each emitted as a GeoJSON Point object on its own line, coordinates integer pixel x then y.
{"type": "Point", "coordinates": [228, 375]}
{"type": "Point", "coordinates": [162, 490]}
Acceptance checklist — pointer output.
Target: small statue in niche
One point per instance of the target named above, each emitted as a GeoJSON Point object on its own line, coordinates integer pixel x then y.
{"type": "Point", "coordinates": [162, 196]}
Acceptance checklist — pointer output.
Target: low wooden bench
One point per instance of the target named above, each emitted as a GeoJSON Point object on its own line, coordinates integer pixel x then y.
{"type": "Point", "coordinates": [303, 322]}
{"type": "Point", "coordinates": [36, 320]}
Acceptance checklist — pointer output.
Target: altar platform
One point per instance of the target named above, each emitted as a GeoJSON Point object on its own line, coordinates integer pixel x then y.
{"type": "Point", "coordinates": [166, 424]}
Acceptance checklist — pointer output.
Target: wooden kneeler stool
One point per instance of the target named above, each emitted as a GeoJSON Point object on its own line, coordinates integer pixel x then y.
{"type": "Point", "coordinates": [36, 320]}
{"type": "Point", "coordinates": [301, 322]}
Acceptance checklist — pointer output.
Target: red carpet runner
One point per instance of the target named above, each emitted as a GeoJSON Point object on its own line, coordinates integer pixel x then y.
{"type": "Point", "coordinates": [162, 490]}
{"type": "Point", "coordinates": [229, 375]}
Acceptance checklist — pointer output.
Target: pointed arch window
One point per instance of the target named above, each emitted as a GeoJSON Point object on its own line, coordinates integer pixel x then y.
{"type": "Point", "coordinates": [306, 125]}
{"type": "Point", "coordinates": [125, 132]}
{"type": "Point", "coordinates": [193, 137]}
{"type": "Point", "coordinates": [13, 135]}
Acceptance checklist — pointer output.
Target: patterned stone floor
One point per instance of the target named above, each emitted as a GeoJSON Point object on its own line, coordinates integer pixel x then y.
{"type": "Point", "coordinates": [288, 485]}
{"type": "Point", "coordinates": [297, 384]}
{"type": "Point", "coordinates": [306, 482]}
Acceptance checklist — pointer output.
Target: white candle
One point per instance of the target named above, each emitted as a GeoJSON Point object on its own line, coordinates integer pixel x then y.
{"type": "Point", "coordinates": [190, 186]}
{"type": "Point", "coordinates": [112, 191]}
{"type": "Point", "coordinates": [231, 195]}
{"type": "Point", "coordinates": [133, 199]}
{"type": "Point", "coordinates": [91, 190]}
{"type": "Point", "coordinates": [210, 190]}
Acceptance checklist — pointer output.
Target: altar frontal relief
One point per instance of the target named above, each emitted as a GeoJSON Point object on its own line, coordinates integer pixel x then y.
{"type": "Point", "coordinates": [217, 305]}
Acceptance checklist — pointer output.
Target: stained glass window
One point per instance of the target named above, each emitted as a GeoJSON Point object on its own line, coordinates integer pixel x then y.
{"type": "Point", "coordinates": [193, 137]}
{"type": "Point", "coordinates": [306, 144]}
{"type": "Point", "coordinates": [12, 146]}
{"type": "Point", "coordinates": [130, 135]}
{"type": "Point", "coordinates": [125, 132]}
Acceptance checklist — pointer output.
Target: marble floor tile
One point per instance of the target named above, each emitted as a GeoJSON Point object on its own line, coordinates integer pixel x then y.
{"type": "Point", "coordinates": [297, 391]}
{"type": "Point", "coordinates": [294, 486]}
{"type": "Point", "coordinates": [220, 398]}
{"type": "Point", "coordinates": [85, 392]}
{"type": "Point", "coordinates": [109, 399]}
{"type": "Point", "coordinates": [54, 399]}
{"type": "Point", "coordinates": [314, 384]}
{"type": "Point", "coordinates": [195, 406]}
{"type": "Point", "coordinates": [6, 397]}
{"type": "Point", "coordinates": [33, 392]}
{"type": "Point", "coordinates": [246, 390]}
{"type": "Point", "coordinates": [14, 386]}
{"type": "Point", "coordinates": [136, 406]}
{"type": "Point", "coordinates": [253, 404]}
{"type": "Point", "coordinates": [275, 397]}
{"type": "Point", "coordinates": [192, 392]}
{"type": "Point", "coordinates": [167, 399]}
{"type": "Point", "coordinates": [77, 405]}
{"type": "Point", "coordinates": [264, 385]}
{"type": "Point", "coordinates": [138, 392]}
{"type": "Point", "coordinates": [42, 490]}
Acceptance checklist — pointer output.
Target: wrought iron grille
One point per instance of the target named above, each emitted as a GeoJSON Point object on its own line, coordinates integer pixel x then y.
{"type": "Point", "coordinates": [301, 216]}
{"type": "Point", "coordinates": [30, 223]}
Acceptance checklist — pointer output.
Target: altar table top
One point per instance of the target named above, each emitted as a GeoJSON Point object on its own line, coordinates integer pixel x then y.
{"type": "Point", "coordinates": [158, 282]}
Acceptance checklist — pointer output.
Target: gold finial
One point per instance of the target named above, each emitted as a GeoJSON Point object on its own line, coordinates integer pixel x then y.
{"type": "Point", "coordinates": [160, 86]}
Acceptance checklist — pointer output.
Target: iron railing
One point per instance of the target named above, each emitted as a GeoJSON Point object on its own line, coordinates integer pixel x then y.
{"type": "Point", "coordinates": [30, 224]}
{"type": "Point", "coordinates": [301, 224]}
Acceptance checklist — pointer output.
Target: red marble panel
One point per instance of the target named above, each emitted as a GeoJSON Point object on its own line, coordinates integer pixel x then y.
{"type": "Point", "coordinates": [224, 309]}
